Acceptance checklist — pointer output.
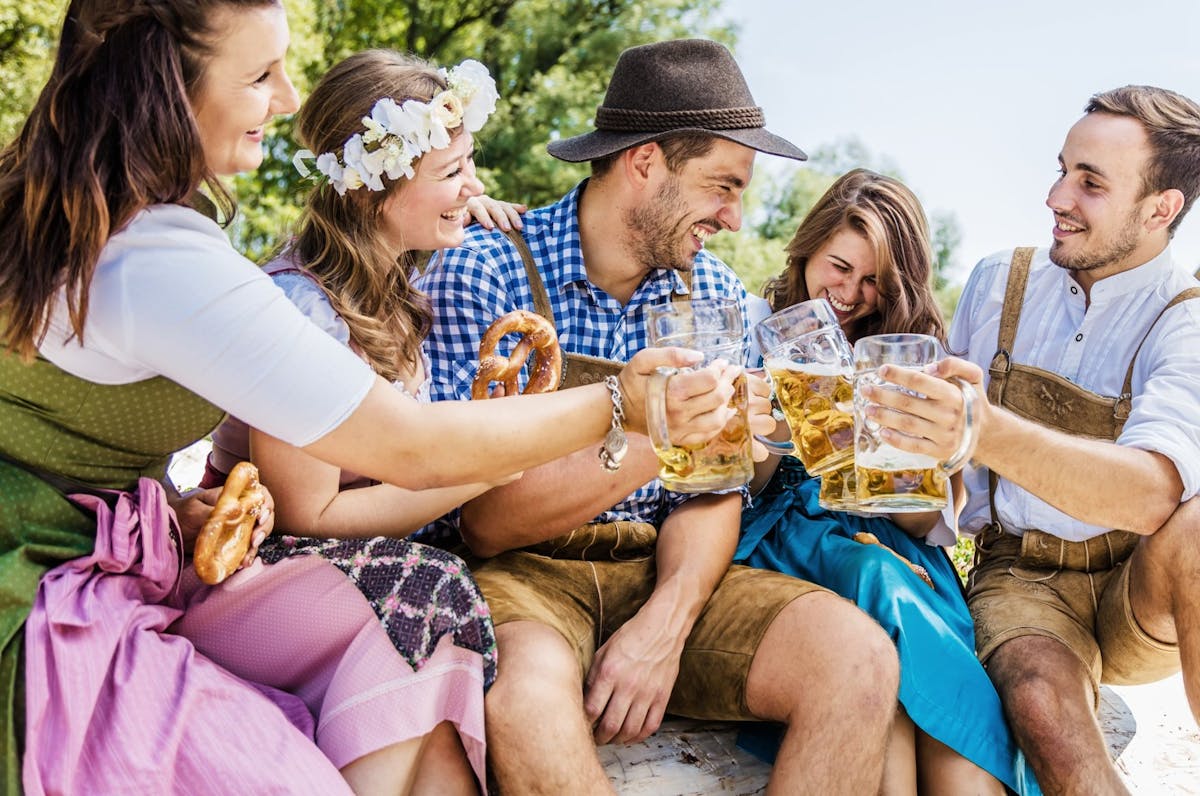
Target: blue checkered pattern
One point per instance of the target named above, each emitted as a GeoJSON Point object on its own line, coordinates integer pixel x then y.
{"type": "Point", "coordinates": [484, 278]}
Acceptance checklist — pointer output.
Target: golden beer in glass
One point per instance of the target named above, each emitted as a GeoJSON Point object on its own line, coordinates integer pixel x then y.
{"type": "Point", "coordinates": [713, 327]}
{"type": "Point", "coordinates": [818, 404]}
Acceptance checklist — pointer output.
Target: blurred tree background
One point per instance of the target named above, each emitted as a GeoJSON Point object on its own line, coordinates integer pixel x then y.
{"type": "Point", "coordinates": [551, 60]}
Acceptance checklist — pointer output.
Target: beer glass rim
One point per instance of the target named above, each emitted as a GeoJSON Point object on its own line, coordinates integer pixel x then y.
{"type": "Point", "coordinates": [783, 348]}
{"type": "Point", "coordinates": [655, 313]}
{"type": "Point", "coordinates": [819, 308]}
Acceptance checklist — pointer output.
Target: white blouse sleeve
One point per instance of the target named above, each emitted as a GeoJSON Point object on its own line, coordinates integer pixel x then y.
{"type": "Point", "coordinates": [171, 297]}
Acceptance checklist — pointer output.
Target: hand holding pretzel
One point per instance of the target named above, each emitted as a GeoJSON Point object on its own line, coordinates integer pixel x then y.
{"type": "Point", "coordinates": [538, 335]}
{"type": "Point", "coordinates": [226, 536]}
{"type": "Point", "coordinates": [865, 537]}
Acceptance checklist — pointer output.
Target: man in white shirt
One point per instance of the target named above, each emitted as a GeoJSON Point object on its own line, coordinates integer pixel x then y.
{"type": "Point", "coordinates": [1090, 424]}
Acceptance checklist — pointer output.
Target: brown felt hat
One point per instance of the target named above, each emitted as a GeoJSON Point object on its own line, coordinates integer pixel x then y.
{"type": "Point", "coordinates": [670, 88]}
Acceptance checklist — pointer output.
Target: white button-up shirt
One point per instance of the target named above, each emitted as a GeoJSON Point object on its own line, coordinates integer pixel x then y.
{"type": "Point", "coordinates": [1092, 347]}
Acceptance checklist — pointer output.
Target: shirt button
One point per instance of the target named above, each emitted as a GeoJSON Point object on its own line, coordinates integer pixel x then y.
{"type": "Point", "coordinates": [1078, 337]}
{"type": "Point", "coordinates": [1074, 289]}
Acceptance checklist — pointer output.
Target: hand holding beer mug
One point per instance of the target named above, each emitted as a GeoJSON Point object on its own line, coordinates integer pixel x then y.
{"type": "Point", "coordinates": [887, 478]}
{"type": "Point", "coordinates": [714, 328]}
{"type": "Point", "coordinates": [810, 364]}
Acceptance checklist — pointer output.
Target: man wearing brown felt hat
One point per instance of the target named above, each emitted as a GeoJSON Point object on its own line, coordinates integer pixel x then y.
{"type": "Point", "coordinates": [614, 599]}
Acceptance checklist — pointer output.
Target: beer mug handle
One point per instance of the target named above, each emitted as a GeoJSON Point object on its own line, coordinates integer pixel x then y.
{"type": "Point", "coordinates": [656, 408]}
{"type": "Point", "coordinates": [775, 447]}
{"type": "Point", "coordinates": [970, 435]}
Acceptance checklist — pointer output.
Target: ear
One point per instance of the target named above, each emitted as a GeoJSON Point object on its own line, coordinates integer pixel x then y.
{"type": "Point", "coordinates": [1167, 205]}
{"type": "Point", "coordinates": [639, 163]}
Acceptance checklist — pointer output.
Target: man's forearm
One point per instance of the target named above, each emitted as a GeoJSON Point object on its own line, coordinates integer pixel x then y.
{"type": "Point", "coordinates": [1094, 481]}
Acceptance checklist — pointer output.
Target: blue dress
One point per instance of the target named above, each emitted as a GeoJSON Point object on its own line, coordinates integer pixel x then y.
{"type": "Point", "coordinates": [943, 687]}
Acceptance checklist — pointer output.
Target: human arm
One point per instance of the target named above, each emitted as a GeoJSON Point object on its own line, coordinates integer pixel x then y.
{"type": "Point", "coordinates": [1142, 488]}
{"type": "Point", "coordinates": [548, 501]}
{"type": "Point", "coordinates": [633, 673]}
{"type": "Point", "coordinates": [170, 298]}
{"type": "Point", "coordinates": [309, 500]}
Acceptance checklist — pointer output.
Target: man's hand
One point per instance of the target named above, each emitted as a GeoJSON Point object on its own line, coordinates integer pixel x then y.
{"type": "Point", "coordinates": [630, 682]}
{"type": "Point", "coordinates": [932, 425]}
{"type": "Point", "coordinates": [762, 421]}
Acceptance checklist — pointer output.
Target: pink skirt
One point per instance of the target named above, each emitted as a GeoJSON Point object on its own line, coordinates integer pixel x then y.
{"type": "Point", "coordinates": [267, 683]}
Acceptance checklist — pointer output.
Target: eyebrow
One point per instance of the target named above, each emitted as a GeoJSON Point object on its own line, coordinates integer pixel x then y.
{"type": "Point", "coordinates": [730, 178]}
{"type": "Point", "coordinates": [1088, 167]}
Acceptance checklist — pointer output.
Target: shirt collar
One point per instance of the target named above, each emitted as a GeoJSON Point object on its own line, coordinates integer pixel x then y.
{"type": "Point", "coordinates": [1134, 280]}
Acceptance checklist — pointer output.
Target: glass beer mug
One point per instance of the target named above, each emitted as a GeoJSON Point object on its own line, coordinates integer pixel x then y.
{"type": "Point", "coordinates": [810, 365]}
{"type": "Point", "coordinates": [888, 479]}
{"type": "Point", "coordinates": [714, 328]}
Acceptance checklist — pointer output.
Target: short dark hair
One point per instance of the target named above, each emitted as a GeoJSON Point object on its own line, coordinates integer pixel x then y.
{"type": "Point", "coordinates": [1172, 123]}
{"type": "Point", "coordinates": [677, 150]}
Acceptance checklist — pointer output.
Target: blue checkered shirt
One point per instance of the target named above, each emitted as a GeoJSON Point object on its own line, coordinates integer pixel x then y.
{"type": "Point", "coordinates": [485, 278]}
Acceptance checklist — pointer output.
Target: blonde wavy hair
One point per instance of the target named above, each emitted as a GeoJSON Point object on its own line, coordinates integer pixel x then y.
{"type": "Point", "coordinates": [339, 239]}
{"type": "Point", "coordinates": [885, 212]}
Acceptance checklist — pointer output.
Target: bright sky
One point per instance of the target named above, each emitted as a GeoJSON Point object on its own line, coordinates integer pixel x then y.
{"type": "Point", "coordinates": [970, 100]}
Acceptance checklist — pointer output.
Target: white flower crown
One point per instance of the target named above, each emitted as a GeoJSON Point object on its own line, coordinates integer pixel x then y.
{"type": "Point", "coordinates": [398, 134]}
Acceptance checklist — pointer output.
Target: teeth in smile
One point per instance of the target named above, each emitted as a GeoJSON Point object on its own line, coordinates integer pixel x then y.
{"type": "Point", "coordinates": [701, 233]}
{"type": "Point", "coordinates": [1065, 227]}
{"type": "Point", "coordinates": [455, 215]}
{"type": "Point", "coordinates": [839, 306]}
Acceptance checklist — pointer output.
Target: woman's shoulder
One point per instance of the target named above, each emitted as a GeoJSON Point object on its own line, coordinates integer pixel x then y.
{"type": "Point", "coordinates": [305, 291]}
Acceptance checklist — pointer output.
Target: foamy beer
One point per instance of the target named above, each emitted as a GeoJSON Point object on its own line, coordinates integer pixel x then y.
{"type": "Point", "coordinates": [810, 365]}
{"type": "Point", "coordinates": [714, 328]}
{"type": "Point", "coordinates": [887, 478]}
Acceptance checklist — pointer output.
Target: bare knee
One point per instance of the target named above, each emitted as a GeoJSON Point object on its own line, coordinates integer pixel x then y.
{"type": "Point", "coordinates": [1040, 681]}
{"type": "Point", "coordinates": [823, 647]}
{"type": "Point", "coordinates": [539, 674]}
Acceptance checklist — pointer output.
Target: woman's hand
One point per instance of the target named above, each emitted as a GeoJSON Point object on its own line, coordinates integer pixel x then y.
{"type": "Point", "coordinates": [490, 213]}
{"type": "Point", "coordinates": [193, 507]}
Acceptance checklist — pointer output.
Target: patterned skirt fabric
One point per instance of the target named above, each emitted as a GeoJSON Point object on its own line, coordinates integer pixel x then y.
{"type": "Point", "coordinates": [419, 593]}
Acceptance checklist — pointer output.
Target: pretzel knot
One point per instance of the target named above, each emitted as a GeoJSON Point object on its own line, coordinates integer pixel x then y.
{"type": "Point", "coordinates": [538, 336]}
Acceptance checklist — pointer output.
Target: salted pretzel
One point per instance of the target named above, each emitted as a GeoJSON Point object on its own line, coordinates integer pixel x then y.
{"type": "Point", "coordinates": [225, 537]}
{"type": "Point", "coordinates": [537, 335]}
{"type": "Point", "coordinates": [869, 538]}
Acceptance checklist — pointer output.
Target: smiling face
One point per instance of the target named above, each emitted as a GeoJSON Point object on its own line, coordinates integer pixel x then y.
{"type": "Point", "coordinates": [243, 86]}
{"type": "Point", "coordinates": [429, 211]}
{"type": "Point", "coordinates": [1100, 212]}
{"type": "Point", "coordinates": [690, 205]}
{"type": "Point", "coordinates": [843, 270]}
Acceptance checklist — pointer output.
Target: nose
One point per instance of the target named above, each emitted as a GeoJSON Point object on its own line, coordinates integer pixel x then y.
{"type": "Point", "coordinates": [472, 185]}
{"type": "Point", "coordinates": [730, 214]}
{"type": "Point", "coordinates": [1058, 198]}
{"type": "Point", "coordinates": [286, 99]}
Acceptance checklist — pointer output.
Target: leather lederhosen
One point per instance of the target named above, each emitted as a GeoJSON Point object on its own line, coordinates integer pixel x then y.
{"type": "Point", "coordinates": [578, 369]}
{"type": "Point", "coordinates": [1051, 400]}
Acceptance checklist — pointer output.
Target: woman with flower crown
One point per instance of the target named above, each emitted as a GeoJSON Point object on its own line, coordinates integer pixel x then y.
{"type": "Point", "coordinates": [131, 328]}
{"type": "Point", "coordinates": [395, 178]}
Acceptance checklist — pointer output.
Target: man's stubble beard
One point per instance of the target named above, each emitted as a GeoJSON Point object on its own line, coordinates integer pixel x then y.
{"type": "Point", "coordinates": [656, 229]}
{"type": "Point", "coordinates": [1124, 243]}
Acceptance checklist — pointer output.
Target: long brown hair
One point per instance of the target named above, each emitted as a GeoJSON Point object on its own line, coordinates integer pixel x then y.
{"type": "Point", "coordinates": [339, 239]}
{"type": "Point", "coordinates": [111, 133]}
{"type": "Point", "coordinates": [885, 212]}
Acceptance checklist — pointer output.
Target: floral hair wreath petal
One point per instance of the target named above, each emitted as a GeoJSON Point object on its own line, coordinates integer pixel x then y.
{"type": "Point", "coordinates": [396, 134]}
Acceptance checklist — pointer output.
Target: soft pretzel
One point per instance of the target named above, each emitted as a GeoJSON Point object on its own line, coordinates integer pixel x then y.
{"type": "Point", "coordinates": [538, 335]}
{"type": "Point", "coordinates": [869, 538]}
{"type": "Point", "coordinates": [225, 537]}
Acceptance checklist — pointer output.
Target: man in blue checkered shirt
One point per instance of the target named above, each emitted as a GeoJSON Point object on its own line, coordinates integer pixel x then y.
{"type": "Point", "coordinates": [614, 600]}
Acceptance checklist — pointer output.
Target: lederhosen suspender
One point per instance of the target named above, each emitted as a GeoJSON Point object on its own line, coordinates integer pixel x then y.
{"type": "Point", "coordinates": [1049, 399]}
{"type": "Point", "coordinates": [578, 369]}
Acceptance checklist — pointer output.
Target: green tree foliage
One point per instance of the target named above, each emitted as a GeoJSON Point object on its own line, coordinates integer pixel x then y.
{"type": "Point", "coordinates": [28, 30]}
{"type": "Point", "coordinates": [551, 60]}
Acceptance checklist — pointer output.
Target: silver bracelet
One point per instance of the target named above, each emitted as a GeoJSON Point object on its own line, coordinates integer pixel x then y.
{"type": "Point", "coordinates": [616, 445]}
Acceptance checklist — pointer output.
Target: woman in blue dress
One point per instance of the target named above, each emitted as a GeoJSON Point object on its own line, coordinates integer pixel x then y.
{"type": "Point", "coordinates": [865, 248]}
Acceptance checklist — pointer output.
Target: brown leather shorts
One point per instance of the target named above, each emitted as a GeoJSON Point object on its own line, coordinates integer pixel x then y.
{"type": "Point", "coordinates": [587, 600]}
{"type": "Point", "coordinates": [1074, 592]}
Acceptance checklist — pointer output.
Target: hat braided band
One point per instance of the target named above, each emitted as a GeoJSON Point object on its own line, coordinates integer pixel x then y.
{"type": "Point", "coordinates": [627, 120]}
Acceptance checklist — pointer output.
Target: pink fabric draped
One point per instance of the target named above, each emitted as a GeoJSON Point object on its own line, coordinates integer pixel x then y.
{"type": "Point", "coordinates": [115, 703]}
